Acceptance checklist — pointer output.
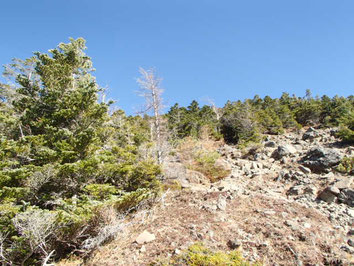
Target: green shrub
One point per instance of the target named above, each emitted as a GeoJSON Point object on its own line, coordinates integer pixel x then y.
{"type": "Point", "coordinates": [238, 124]}
{"type": "Point", "coordinates": [205, 162]}
{"type": "Point", "coordinates": [269, 122]}
{"type": "Point", "coordinates": [346, 134]}
{"type": "Point", "coordinates": [199, 255]}
{"type": "Point", "coordinates": [100, 191]}
{"type": "Point", "coordinates": [346, 165]}
{"type": "Point", "coordinates": [206, 158]}
{"type": "Point", "coordinates": [172, 185]}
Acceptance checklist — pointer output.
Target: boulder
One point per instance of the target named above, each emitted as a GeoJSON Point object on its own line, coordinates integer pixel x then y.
{"type": "Point", "coordinates": [260, 156]}
{"type": "Point", "coordinates": [270, 144]}
{"type": "Point", "coordinates": [284, 160]}
{"type": "Point", "coordinates": [344, 182]}
{"type": "Point", "coordinates": [223, 164]}
{"type": "Point", "coordinates": [351, 242]}
{"type": "Point", "coordinates": [254, 165]}
{"type": "Point", "coordinates": [291, 149]}
{"type": "Point", "coordinates": [311, 189]}
{"type": "Point", "coordinates": [282, 151]}
{"type": "Point", "coordinates": [233, 244]}
{"type": "Point", "coordinates": [346, 196]}
{"type": "Point", "coordinates": [295, 190]}
{"type": "Point", "coordinates": [145, 237]}
{"type": "Point", "coordinates": [230, 152]}
{"type": "Point", "coordinates": [310, 134]}
{"type": "Point", "coordinates": [282, 176]}
{"type": "Point", "coordinates": [226, 150]}
{"type": "Point", "coordinates": [195, 177]}
{"type": "Point", "coordinates": [173, 170]}
{"type": "Point", "coordinates": [329, 194]}
{"type": "Point", "coordinates": [142, 249]}
{"type": "Point", "coordinates": [221, 204]}
{"type": "Point", "coordinates": [292, 224]}
{"type": "Point", "coordinates": [305, 170]}
{"type": "Point", "coordinates": [320, 160]}
{"type": "Point", "coordinates": [184, 183]}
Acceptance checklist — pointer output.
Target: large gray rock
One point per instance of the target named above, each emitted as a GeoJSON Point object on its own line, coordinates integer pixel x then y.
{"type": "Point", "coordinates": [329, 194]}
{"type": "Point", "coordinates": [295, 190]}
{"type": "Point", "coordinates": [310, 134]}
{"type": "Point", "coordinates": [195, 177]}
{"type": "Point", "coordinates": [173, 170]}
{"type": "Point", "coordinates": [223, 164]}
{"type": "Point", "coordinates": [305, 170]}
{"type": "Point", "coordinates": [321, 160]}
{"type": "Point", "coordinates": [344, 182]}
{"type": "Point", "coordinates": [270, 144]}
{"type": "Point", "coordinates": [346, 196]}
{"type": "Point", "coordinates": [283, 151]}
{"type": "Point", "coordinates": [292, 224]}
{"type": "Point", "coordinates": [234, 243]}
{"type": "Point", "coordinates": [310, 190]}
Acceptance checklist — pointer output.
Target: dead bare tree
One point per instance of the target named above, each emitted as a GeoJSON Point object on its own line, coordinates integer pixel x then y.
{"type": "Point", "coordinates": [36, 227]}
{"type": "Point", "coordinates": [216, 110]}
{"type": "Point", "coordinates": [3, 258]}
{"type": "Point", "coordinates": [152, 92]}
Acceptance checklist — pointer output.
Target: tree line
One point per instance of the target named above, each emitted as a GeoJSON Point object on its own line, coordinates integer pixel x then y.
{"type": "Point", "coordinates": [243, 122]}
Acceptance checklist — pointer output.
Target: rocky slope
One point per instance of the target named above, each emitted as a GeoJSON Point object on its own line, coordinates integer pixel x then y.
{"type": "Point", "coordinates": [282, 204]}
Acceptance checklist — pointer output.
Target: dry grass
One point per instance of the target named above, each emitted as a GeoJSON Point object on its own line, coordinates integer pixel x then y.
{"type": "Point", "coordinates": [201, 156]}
{"type": "Point", "coordinates": [182, 220]}
{"type": "Point", "coordinates": [72, 261]}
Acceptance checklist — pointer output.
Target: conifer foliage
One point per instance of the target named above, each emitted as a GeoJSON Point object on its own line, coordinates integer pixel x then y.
{"type": "Point", "coordinates": [62, 157]}
{"type": "Point", "coordinates": [245, 122]}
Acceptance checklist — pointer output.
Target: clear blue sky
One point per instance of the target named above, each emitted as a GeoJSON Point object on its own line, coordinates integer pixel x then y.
{"type": "Point", "coordinates": [223, 50]}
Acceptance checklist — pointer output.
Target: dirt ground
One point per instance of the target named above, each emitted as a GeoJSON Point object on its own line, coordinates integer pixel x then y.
{"type": "Point", "coordinates": [271, 231]}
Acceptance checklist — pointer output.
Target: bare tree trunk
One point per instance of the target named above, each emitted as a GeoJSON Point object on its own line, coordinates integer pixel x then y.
{"type": "Point", "coordinates": [151, 91]}
{"type": "Point", "coordinates": [156, 108]}
{"type": "Point", "coordinates": [217, 113]}
{"type": "Point", "coordinates": [22, 136]}
{"type": "Point", "coordinates": [47, 258]}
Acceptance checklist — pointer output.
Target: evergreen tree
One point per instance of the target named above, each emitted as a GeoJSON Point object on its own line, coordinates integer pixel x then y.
{"type": "Point", "coordinates": [61, 155]}
{"type": "Point", "coordinates": [238, 123]}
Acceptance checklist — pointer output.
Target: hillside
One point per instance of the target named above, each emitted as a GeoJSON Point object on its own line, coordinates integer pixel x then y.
{"type": "Point", "coordinates": [267, 179]}
{"type": "Point", "coordinates": [282, 204]}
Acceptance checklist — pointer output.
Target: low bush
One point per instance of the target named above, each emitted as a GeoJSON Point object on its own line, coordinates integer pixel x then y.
{"type": "Point", "coordinates": [346, 134]}
{"type": "Point", "coordinates": [346, 165]}
{"type": "Point", "coordinates": [200, 155]}
{"type": "Point", "coordinates": [205, 162]}
{"type": "Point", "coordinates": [199, 255]}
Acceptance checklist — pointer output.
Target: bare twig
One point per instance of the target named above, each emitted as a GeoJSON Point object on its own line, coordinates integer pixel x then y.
{"type": "Point", "coordinates": [47, 258]}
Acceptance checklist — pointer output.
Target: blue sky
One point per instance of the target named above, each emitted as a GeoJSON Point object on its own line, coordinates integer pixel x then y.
{"type": "Point", "coordinates": [222, 50]}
